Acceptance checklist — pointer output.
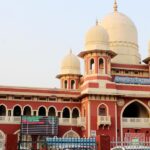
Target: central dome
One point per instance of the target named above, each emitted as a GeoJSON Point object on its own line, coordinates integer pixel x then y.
{"type": "Point", "coordinates": [123, 37]}
{"type": "Point", "coordinates": [120, 28]}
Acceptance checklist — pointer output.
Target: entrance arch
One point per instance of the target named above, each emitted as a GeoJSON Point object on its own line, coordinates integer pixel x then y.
{"type": "Point", "coordinates": [142, 111]}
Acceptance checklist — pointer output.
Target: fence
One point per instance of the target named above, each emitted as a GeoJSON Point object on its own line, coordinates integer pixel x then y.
{"type": "Point", "coordinates": [60, 144]}
{"type": "Point", "coordinates": [132, 145]}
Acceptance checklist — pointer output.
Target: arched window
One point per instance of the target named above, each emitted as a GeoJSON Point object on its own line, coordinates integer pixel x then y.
{"type": "Point", "coordinates": [52, 112]}
{"type": "Point", "coordinates": [92, 65]}
{"type": "Point", "coordinates": [42, 111]}
{"type": "Point", "coordinates": [65, 84]}
{"type": "Point", "coordinates": [72, 84]}
{"type": "Point", "coordinates": [101, 66]}
{"type": "Point", "coordinates": [17, 111]}
{"type": "Point", "coordinates": [2, 110]}
{"type": "Point", "coordinates": [66, 113]}
{"type": "Point", "coordinates": [102, 110]}
{"type": "Point", "coordinates": [75, 113]}
{"type": "Point", "coordinates": [27, 111]}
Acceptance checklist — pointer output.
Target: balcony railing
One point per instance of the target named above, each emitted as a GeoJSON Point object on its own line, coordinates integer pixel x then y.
{"type": "Point", "coordinates": [136, 122]}
{"type": "Point", "coordinates": [80, 121]}
{"type": "Point", "coordinates": [104, 120]}
{"type": "Point", "coordinates": [10, 119]}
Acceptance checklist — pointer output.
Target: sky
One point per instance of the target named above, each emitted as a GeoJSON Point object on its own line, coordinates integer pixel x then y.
{"type": "Point", "coordinates": [35, 35]}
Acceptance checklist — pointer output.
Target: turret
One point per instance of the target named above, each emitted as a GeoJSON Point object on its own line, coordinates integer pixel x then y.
{"type": "Point", "coordinates": [70, 72]}
{"type": "Point", "coordinates": [97, 56]}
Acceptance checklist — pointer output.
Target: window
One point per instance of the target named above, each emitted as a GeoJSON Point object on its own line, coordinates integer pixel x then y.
{"type": "Point", "coordinates": [2, 110]}
{"type": "Point", "coordinates": [92, 64]}
{"type": "Point", "coordinates": [101, 63]}
{"type": "Point", "coordinates": [52, 112]}
{"type": "Point", "coordinates": [17, 111]}
{"type": "Point", "coordinates": [65, 84]}
{"type": "Point", "coordinates": [101, 66]}
{"type": "Point", "coordinates": [72, 84]}
{"type": "Point", "coordinates": [66, 113]}
{"type": "Point", "coordinates": [42, 111]}
{"type": "Point", "coordinates": [102, 110]}
{"type": "Point", "coordinates": [27, 111]}
{"type": "Point", "coordinates": [75, 113]}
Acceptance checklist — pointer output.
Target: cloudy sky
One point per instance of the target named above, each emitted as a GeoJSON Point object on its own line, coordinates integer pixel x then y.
{"type": "Point", "coordinates": [36, 34]}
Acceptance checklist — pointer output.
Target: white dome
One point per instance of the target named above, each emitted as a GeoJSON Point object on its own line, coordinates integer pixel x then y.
{"type": "Point", "coordinates": [70, 65]}
{"type": "Point", "coordinates": [120, 28]}
{"type": "Point", "coordinates": [123, 38]}
{"type": "Point", "coordinates": [97, 38]}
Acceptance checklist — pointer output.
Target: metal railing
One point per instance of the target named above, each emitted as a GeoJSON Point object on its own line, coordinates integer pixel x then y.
{"type": "Point", "coordinates": [80, 121]}
{"type": "Point", "coordinates": [145, 145]}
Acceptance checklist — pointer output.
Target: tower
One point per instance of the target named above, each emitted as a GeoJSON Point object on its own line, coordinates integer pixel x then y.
{"type": "Point", "coordinates": [97, 61]}
{"type": "Point", "coordinates": [97, 57]}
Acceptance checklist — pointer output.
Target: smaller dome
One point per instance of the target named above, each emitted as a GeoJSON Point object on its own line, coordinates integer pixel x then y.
{"type": "Point", "coordinates": [97, 38]}
{"type": "Point", "coordinates": [70, 65]}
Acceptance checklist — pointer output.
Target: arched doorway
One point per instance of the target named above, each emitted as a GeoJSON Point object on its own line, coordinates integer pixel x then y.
{"type": "Point", "coordinates": [2, 110]}
{"type": "Point", "coordinates": [42, 111]}
{"type": "Point", "coordinates": [27, 111]}
{"type": "Point", "coordinates": [17, 111]}
{"type": "Point", "coordinates": [75, 113]}
{"type": "Point", "coordinates": [139, 111]}
{"type": "Point", "coordinates": [134, 117]}
{"type": "Point", "coordinates": [51, 111]}
{"type": "Point", "coordinates": [66, 113]}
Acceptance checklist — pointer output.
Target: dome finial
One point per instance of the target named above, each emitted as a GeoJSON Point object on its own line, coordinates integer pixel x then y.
{"type": "Point", "coordinates": [115, 6]}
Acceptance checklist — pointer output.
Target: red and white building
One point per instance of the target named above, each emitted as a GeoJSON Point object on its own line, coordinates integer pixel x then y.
{"type": "Point", "coordinates": [111, 97]}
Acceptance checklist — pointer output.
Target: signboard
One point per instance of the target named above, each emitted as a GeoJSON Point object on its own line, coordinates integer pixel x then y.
{"type": "Point", "coordinates": [131, 80]}
{"type": "Point", "coordinates": [134, 137]}
{"type": "Point", "coordinates": [39, 125]}
{"type": "Point", "coordinates": [93, 133]}
{"type": "Point", "coordinates": [135, 141]}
